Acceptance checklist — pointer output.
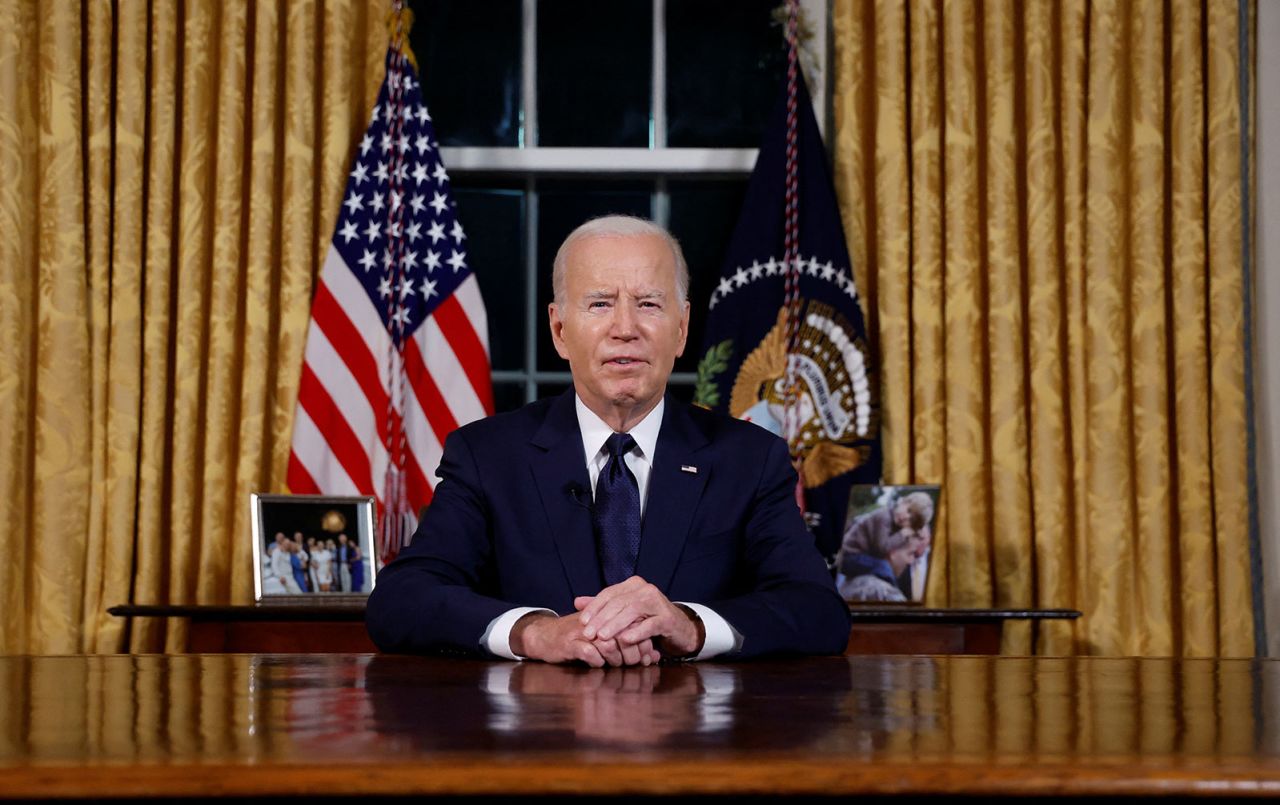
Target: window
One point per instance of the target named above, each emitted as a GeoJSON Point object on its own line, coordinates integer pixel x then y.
{"type": "Point", "coordinates": [553, 112]}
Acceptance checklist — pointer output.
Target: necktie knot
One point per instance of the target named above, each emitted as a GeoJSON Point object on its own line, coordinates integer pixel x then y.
{"type": "Point", "coordinates": [619, 444]}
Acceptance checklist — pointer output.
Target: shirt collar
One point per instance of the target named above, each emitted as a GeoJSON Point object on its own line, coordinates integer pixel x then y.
{"type": "Point", "coordinates": [595, 432]}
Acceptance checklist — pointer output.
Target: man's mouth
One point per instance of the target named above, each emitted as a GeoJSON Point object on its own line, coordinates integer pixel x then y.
{"type": "Point", "coordinates": [624, 361]}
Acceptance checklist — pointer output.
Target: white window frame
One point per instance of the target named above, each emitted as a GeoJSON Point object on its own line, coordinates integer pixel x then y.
{"type": "Point", "coordinates": [658, 162]}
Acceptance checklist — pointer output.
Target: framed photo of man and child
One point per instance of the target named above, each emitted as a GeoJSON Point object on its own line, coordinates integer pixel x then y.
{"type": "Point", "coordinates": [312, 547]}
{"type": "Point", "coordinates": [888, 540]}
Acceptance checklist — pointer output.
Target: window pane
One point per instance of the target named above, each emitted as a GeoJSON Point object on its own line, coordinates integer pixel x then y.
{"type": "Point", "coordinates": [726, 63]}
{"type": "Point", "coordinates": [493, 218]}
{"type": "Point", "coordinates": [507, 396]}
{"type": "Point", "coordinates": [469, 62]}
{"type": "Point", "coordinates": [703, 214]}
{"type": "Point", "coordinates": [562, 206]}
{"type": "Point", "coordinates": [594, 72]}
{"type": "Point", "coordinates": [546, 390]}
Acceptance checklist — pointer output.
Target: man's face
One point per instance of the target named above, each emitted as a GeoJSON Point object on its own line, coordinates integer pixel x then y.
{"type": "Point", "coordinates": [621, 326]}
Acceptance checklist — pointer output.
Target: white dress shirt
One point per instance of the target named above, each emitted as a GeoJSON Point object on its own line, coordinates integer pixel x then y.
{"type": "Point", "coordinates": [720, 636]}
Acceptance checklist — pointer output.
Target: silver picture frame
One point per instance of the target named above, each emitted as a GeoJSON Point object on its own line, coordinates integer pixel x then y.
{"type": "Point", "coordinates": [335, 559]}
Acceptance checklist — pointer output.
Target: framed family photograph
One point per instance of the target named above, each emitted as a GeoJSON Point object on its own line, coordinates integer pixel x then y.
{"type": "Point", "coordinates": [887, 544]}
{"type": "Point", "coordinates": [312, 547]}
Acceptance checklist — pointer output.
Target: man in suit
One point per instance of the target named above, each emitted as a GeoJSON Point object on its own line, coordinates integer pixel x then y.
{"type": "Point", "coordinates": [612, 525]}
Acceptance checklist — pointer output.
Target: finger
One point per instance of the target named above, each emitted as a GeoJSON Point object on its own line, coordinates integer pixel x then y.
{"type": "Point", "coordinates": [644, 601]}
{"type": "Point", "coordinates": [588, 653]}
{"type": "Point", "coordinates": [599, 601]}
{"type": "Point", "coordinates": [582, 602]}
{"type": "Point", "coordinates": [600, 612]}
{"type": "Point", "coordinates": [648, 654]}
{"type": "Point", "coordinates": [610, 651]}
{"type": "Point", "coordinates": [630, 653]}
{"type": "Point", "coordinates": [637, 599]}
{"type": "Point", "coordinates": [647, 629]}
{"type": "Point", "coordinates": [614, 618]}
{"type": "Point", "coordinates": [613, 591]}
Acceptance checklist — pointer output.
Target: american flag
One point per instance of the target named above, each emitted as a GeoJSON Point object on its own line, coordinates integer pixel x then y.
{"type": "Point", "coordinates": [397, 351]}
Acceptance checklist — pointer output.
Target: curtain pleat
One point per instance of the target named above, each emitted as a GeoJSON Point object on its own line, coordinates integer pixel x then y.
{"type": "Point", "coordinates": [45, 392]}
{"type": "Point", "coordinates": [1061, 328]}
{"type": "Point", "coordinates": [171, 174]}
{"type": "Point", "coordinates": [1227, 405]}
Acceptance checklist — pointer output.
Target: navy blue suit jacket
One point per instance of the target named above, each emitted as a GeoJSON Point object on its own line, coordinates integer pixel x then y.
{"type": "Point", "coordinates": [510, 525]}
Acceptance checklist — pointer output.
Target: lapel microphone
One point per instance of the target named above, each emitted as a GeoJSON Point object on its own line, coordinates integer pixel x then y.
{"type": "Point", "coordinates": [579, 495]}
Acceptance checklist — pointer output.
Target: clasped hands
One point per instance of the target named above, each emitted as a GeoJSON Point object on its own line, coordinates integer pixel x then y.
{"type": "Point", "coordinates": [629, 623]}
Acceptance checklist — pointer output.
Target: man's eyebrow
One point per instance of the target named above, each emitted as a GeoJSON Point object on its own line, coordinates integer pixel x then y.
{"type": "Point", "coordinates": [600, 294]}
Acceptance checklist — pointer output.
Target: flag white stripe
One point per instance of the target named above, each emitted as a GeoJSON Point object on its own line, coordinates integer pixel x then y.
{"type": "Point", "coordinates": [468, 295]}
{"type": "Point", "coordinates": [313, 453]}
{"type": "Point", "coordinates": [445, 368]}
{"type": "Point", "coordinates": [355, 302]}
{"type": "Point", "coordinates": [424, 448]}
{"type": "Point", "coordinates": [348, 398]}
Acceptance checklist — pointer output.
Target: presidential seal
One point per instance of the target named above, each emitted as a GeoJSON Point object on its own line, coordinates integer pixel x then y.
{"type": "Point", "coordinates": [832, 411]}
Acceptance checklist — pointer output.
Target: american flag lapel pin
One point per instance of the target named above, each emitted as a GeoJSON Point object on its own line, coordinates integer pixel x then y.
{"type": "Point", "coordinates": [689, 468]}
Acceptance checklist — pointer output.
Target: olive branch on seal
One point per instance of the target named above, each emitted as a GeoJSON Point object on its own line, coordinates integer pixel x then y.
{"type": "Point", "coordinates": [706, 393]}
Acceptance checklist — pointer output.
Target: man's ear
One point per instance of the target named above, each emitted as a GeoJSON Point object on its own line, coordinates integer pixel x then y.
{"type": "Point", "coordinates": [684, 330]}
{"type": "Point", "coordinates": [557, 330]}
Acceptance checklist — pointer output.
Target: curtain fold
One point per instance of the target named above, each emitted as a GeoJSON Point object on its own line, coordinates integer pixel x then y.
{"type": "Point", "coordinates": [1044, 201]}
{"type": "Point", "coordinates": [171, 172]}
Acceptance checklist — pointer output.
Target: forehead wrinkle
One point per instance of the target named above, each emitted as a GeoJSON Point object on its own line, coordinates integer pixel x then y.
{"type": "Point", "coordinates": [611, 293]}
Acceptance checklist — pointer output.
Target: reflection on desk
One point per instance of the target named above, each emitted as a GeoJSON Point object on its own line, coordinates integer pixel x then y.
{"type": "Point", "coordinates": [364, 724]}
{"type": "Point", "coordinates": [622, 707]}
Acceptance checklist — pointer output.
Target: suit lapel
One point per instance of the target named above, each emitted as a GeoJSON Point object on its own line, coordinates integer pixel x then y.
{"type": "Point", "coordinates": [560, 472]}
{"type": "Point", "coordinates": [673, 495]}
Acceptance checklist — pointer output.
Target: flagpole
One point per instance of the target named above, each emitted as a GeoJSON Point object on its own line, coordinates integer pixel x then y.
{"type": "Point", "coordinates": [791, 249]}
{"type": "Point", "coordinates": [394, 498]}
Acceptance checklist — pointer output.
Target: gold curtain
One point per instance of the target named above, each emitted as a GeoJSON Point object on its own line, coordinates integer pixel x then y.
{"type": "Point", "coordinates": [171, 174]}
{"type": "Point", "coordinates": [1043, 202]}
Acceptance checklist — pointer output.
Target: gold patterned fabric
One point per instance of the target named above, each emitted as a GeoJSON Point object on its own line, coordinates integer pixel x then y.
{"type": "Point", "coordinates": [170, 177]}
{"type": "Point", "coordinates": [1043, 205]}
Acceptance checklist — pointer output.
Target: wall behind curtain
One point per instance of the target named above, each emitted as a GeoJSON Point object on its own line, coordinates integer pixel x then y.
{"type": "Point", "coordinates": [170, 177]}
{"type": "Point", "coordinates": [1043, 200]}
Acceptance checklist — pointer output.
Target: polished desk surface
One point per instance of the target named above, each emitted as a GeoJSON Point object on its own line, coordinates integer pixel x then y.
{"type": "Point", "coordinates": [372, 724]}
{"type": "Point", "coordinates": [353, 610]}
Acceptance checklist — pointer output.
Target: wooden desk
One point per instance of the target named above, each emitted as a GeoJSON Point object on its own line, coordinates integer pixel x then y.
{"type": "Point", "coordinates": [315, 725]}
{"type": "Point", "coordinates": [916, 630]}
{"type": "Point", "coordinates": [340, 628]}
{"type": "Point", "coordinates": [283, 628]}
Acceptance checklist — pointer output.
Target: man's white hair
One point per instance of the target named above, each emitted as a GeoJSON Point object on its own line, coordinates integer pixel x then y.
{"type": "Point", "coordinates": [619, 226]}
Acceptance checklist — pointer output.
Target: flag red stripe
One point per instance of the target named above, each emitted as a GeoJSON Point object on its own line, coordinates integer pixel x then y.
{"type": "Point", "coordinates": [461, 336]}
{"type": "Point", "coordinates": [346, 341]}
{"type": "Point", "coordinates": [428, 394]}
{"type": "Point", "coordinates": [315, 400]}
{"type": "Point", "coordinates": [299, 480]}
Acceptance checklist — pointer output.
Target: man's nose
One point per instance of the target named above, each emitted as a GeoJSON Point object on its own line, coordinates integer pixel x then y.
{"type": "Point", "coordinates": [624, 322]}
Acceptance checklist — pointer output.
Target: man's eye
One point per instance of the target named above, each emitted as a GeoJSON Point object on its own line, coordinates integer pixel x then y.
{"type": "Point", "coordinates": [598, 305]}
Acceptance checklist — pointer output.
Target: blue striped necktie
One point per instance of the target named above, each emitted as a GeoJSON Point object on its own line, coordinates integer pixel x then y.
{"type": "Point", "coordinates": [617, 513]}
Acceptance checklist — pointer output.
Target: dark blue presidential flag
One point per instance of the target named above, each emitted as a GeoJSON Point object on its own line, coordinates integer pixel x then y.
{"type": "Point", "coordinates": [801, 370]}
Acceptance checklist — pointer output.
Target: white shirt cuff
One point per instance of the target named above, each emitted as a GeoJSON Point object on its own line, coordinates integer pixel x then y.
{"type": "Point", "coordinates": [497, 638]}
{"type": "Point", "coordinates": [721, 638]}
